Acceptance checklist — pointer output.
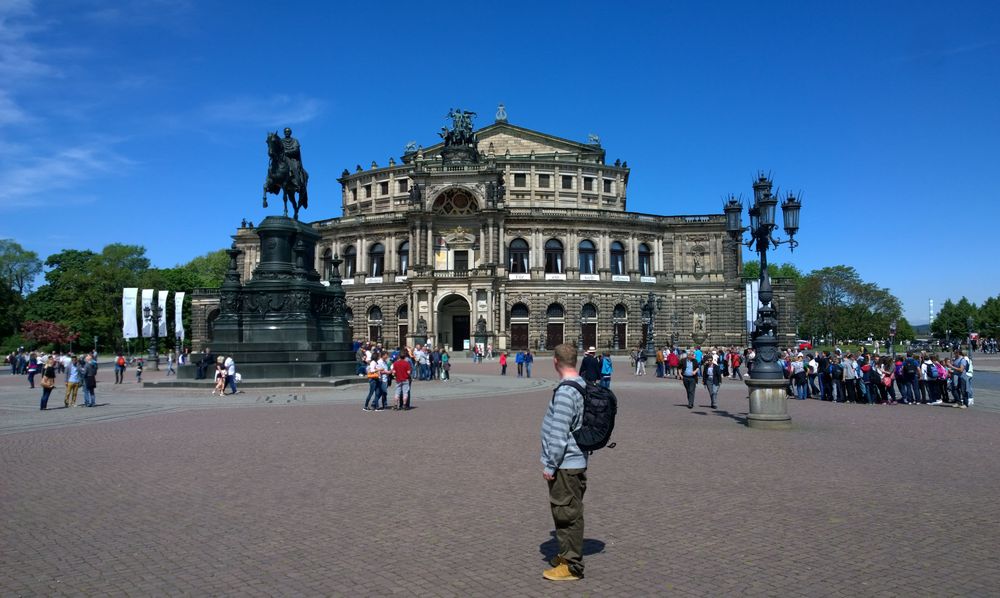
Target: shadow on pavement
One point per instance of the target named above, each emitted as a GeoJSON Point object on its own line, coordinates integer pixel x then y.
{"type": "Point", "coordinates": [550, 547]}
{"type": "Point", "coordinates": [739, 418]}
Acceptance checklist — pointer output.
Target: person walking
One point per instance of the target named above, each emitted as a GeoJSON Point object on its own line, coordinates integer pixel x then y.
{"type": "Point", "coordinates": [445, 365]}
{"type": "Point", "coordinates": [33, 366]}
{"type": "Point", "coordinates": [503, 363]}
{"type": "Point", "coordinates": [220, 376]}
{"type": "Point", "coordinates": [519, 360]}
{"type": "Point", "coordinates": [373, 385]}
{"type": "Point", "coordinates": [712, 377]}
{"type": "Point", "coordinates": [74, 375]}
{"type": "Point", "coordinates": [231, 374]}
{"type": "Point", "coordinates": [640, 362]}
{"type": "Point", "coordinates": [89, 381]}
{"type": "Point", "coordinates": [171, 363]}
{"type": "Point", "coordinates": [528, 360]}
{"type": "Point", "coordinates": [606, 370]}
{"type": "Point", "coordinates": [590, 366]}
{"type": "Point", "coordinates": [138, 372]}
{"type": "Point", "coordinates": [565, 467]}
{"type": "Point", "coordinates": [119, 369]}
{"type": "Point", "coordinates": [401, 374]}
{"type": "Point", "coordinates": [689, 373]}
{"type": "Point", "coordinates": [48, 381]}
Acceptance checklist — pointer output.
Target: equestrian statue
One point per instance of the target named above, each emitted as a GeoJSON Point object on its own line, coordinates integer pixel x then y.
{"type": "Point", "coordinates": [285, 172]}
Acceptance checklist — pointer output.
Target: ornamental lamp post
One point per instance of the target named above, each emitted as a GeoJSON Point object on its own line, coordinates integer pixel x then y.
{"type": "Point", "coordinates": [153, 314]}
{"type": "Point", "coordinates": [653, 304]}
{"type": "Point", "coordinates": [768, 408]}
{"type": "Point", "coordinates": [968, 324]}
{"type": "Point", "coordinates": [579, 344]}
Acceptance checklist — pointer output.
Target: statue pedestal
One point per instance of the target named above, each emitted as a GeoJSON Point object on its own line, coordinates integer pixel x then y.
{"type": "Point", "coordinates": [284, 323]}
{"type": "Point", "coordinates": [768, 404]}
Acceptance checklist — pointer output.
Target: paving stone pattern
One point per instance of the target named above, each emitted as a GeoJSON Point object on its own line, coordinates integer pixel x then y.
{"type": "Point", "coordinates": [316, 497]}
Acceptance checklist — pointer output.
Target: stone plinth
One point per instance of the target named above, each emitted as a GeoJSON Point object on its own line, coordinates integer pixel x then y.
{"type": "Point", "coordinates": [283, 323]}
{"type": "Point", "coordinates": [768, 404]}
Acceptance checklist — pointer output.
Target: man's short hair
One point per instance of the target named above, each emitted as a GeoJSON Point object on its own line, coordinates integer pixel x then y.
{"type": "Point", "coordinates": [565, 355]}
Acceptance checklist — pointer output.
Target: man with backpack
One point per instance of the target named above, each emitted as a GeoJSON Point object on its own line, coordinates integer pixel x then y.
{"type": "Point", "coordinates": [565, 466]}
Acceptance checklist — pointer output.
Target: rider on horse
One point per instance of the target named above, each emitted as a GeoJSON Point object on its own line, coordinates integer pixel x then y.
{"type": "Point", "coordinates": [285, 172]}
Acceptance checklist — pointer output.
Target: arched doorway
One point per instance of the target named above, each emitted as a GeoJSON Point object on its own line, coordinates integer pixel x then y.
{"type": "Point", "coordinates": [555, 316]}
{"type": "Point", "coordinates": [453, 321]}
{"type": "Point", "coordinates": [519, 326]}
{"type": "Point", "coordinates": [588, 325]}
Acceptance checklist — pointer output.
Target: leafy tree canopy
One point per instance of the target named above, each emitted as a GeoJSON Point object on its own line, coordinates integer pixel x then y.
{"type": "Point", "coordinates": [18, 266]}
{"type": "Point", "coordinates": [751, 269]}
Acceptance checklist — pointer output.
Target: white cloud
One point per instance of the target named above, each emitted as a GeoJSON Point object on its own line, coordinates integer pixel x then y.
{"type": "Point", "coordinates": [274, 111]}
{"type": "Point", "coordinates": [28, 182]}
{"type": "Point", "coordinates": [10, 112]}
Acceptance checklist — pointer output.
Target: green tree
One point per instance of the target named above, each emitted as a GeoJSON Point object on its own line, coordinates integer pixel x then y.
{"type": "Point", "coordinates": [988, 318]}
{"type": "Point", "coordinates": [210, 269]}
{"type": "Point", "coordinates": [953, 317]}
{"type": "Point", "coordinates": [18, 270]}
{"type": "Point", "coordinates": [18, 266]}
{"type": "Point", "coordinates": [83, 290]}
{"type": "Point", "coordinates": [834, 302]}
{"type": "Point", "coordinates": [751, 269]}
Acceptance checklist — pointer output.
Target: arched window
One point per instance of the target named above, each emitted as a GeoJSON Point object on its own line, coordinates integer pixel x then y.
{"type": "Point", "coordinates": [375, 324]}
{"type": "Point", "coordinates": [617, 258]}
{"type": "Point", "coordinates": [519, 311]}
{"type": "Point", "coordinates": [517, 256]}
{"type": "Point", "coordinates": [403, 313]}
{"type": "Point", "coordinates": [620, 312]}
{"type": "Point", "coordinates": [555, 311]}
{"type": "Point", "coordinates": [589, 311]}
{"type": "Point", "coordinates": [404, 258]}
{"type": "Point", "coordinates": [376, 259]}
{"type": "Point", "coordinates": [326, 263]}
{"type": "Point", "coordinates": [350, 261]}
{"type": "Point", "coordinates": [553, 257]}
{"type": "Point", "coordinates": [588, 257]}
{"type": "Point", "coordinates": [645, 260]}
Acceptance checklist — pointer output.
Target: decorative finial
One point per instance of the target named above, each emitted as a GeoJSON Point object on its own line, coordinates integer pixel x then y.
{"type": "Point", "coordinates": [501, 114]}
{"type": "Point", "coordinates": [392, 162]}
{"type": "Point", "coordinates": [594, 139]}
{"type": "Point", "coordinates": [374, 165]}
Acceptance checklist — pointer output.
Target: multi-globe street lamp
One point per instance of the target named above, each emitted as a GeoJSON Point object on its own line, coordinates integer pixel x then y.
{"type": "Point", "coordinates": [653, 304]}
{"type": "Point", "coordinates": [767, 397]}
{"type": "Point", "coordinates": [154, 313]}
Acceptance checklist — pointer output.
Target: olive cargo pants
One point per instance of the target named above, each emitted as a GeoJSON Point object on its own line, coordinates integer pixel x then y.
{"type": "Point", "coordinates": [566, 501]}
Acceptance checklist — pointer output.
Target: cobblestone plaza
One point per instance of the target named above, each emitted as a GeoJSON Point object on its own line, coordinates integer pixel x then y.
{"type": "Point", "coordinates": [299, 492]}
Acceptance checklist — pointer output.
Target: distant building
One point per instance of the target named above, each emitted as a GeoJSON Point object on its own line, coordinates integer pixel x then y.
{"type": "Point", "coordinates": [527, 235]}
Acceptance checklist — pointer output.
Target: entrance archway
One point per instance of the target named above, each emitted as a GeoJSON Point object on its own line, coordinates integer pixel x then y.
{"type": "Point", "coordinates": [454, 322]}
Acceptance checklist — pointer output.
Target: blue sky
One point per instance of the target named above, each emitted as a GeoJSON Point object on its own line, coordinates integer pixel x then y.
{"type": "Point", "coordinates": [144, 122]}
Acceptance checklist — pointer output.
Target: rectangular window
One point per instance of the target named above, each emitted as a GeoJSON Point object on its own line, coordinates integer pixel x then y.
{"type": "Point", "coordinates": [368, 191]}
{"type": "Point", "coordinates": [383, 188]}
{"type": "Point", "coordinates": [588, 183]}
{"type": "Point", "coordinates": [404, 185]}
{"type": "Point", "coordinates": [567, 182]}
{"type": "Point", "coordinates": [543, 181]}
{"type": "Point", "coordinates": [354, 195]}
{"type": "Point", "coordinates": [607, 185]}
{"type": "Point", "coordinates": [520, 179]}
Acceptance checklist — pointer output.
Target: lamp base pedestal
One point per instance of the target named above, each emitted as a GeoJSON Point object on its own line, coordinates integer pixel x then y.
{"type": "Point", "coordinates": [768, 404]}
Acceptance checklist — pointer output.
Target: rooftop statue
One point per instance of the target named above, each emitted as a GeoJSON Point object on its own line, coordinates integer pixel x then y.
{"type": "Point", "coordinates": [285, 172]}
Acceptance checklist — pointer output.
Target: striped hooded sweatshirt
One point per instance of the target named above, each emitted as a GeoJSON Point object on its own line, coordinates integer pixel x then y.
{"type": "Point", "coordinates": [565, 415]}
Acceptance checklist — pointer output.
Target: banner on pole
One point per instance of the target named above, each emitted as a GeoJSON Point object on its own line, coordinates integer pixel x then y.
{"type": "Point", "coordinates": [129, 325]}
{"type": "Point", "coordinates": [178, 315]}
{"type": "Point", "coordinates": [753, 302]}
{"type": "Point", "coordinates": [162, 300]}
{"type": "Point", "coordinates": [147, 306]}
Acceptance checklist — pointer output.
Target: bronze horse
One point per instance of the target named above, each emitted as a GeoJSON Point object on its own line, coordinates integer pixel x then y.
{"type": "Point", "coordinates": [280, 177]}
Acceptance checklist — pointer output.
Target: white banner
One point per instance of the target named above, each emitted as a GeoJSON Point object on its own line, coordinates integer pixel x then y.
{"type": "Point", "coordinates": [753, 302]}
{"type": "Point", "coordinates": [129, 325]}
{"type": "Point", "coordinates": [163, 313]}
{"type": "Point", "coordinates": [147, 305]}
{"type": "Point", "coordinates": [178, 315]}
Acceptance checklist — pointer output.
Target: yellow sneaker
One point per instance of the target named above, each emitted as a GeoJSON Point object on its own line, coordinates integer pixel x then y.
{"type": "Point", "coordinates": [560, 573]}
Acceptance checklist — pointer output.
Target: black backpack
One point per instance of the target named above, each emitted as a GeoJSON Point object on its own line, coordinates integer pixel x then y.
{"type": "Point", "coordinates": [600, 406]}
{"type": "Point", "coordinates": [910, 368]}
